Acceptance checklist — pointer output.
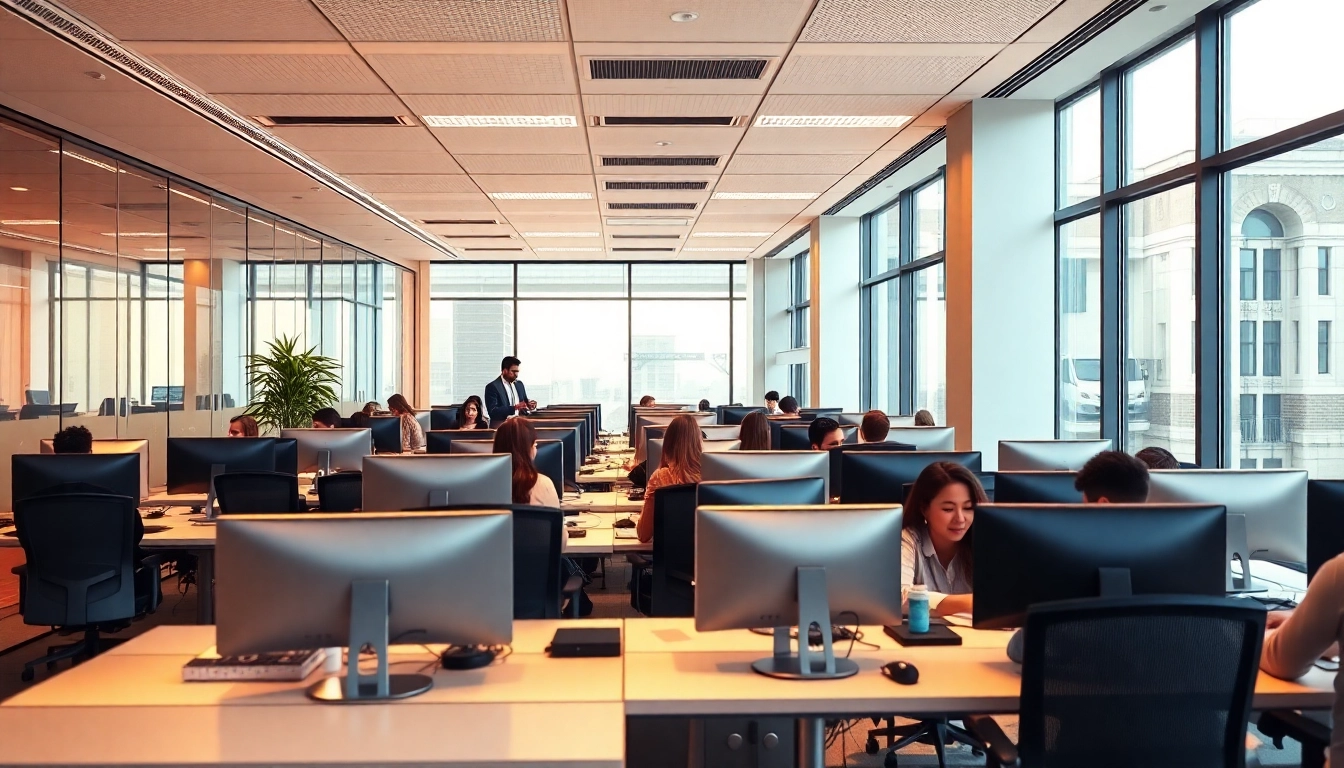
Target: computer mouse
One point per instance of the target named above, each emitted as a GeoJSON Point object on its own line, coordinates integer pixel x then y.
{"type": "Point", "coordinates": [624, 522]}
{"type": "Point", "coordinates": [902, 672]}
{"type": "Point", "coordinates": [571, 523]}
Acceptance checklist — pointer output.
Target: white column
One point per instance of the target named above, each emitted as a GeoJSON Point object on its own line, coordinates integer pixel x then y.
{"type": "Point", "coordinates": [835, 331]}
{"type": "Point", "coordinates": [1000, 273]}
{"type": "Point", "coordinates": [770, 327]}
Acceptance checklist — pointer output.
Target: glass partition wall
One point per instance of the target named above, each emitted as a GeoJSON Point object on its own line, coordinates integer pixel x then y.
{"type": "Point", "coordinates": [593, 332]}
{"type": "Point", "coordinates": [128, 300]}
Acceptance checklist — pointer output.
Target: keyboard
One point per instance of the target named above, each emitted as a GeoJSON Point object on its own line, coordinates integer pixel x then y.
{"type": "Point", "coordinates": [626, 533]}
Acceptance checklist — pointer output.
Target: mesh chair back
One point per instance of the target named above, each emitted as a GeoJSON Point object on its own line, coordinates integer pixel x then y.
{"type": "Point", "coordinates": [538, 534]}
{"type": "Point", "coordinates": [80, 551]}
{"type": "Point", "coordinates": [257, 493]}
{"type": "Point", "coordinates": [673, 593]}
{"type": "Point", "coordinates": [1154, 681]}
{"type": "Point", "coordinates": [341, 492]}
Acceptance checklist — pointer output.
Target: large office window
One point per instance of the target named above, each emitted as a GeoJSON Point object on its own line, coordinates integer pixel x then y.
{"type": "Point", "coordinates": [1079, 388]}
{"type": "Point", "coordinates": [1236, 287]}
{"type": "Point", "coordinates": [1079, 132]}
{"type": "Point", "coordinates": [904, 302]}
{"type": "Point", "coordinates": [591, 332]}
{"type": "Point", "coordinates": [800, 327]}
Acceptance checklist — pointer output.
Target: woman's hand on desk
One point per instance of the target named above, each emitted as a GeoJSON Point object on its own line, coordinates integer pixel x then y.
{"type": "Point", "coordinates": [1275, 619]}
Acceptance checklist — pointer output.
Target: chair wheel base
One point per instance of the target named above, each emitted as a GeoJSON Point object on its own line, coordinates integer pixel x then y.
{"type": "Point", "coordinates": [27, 675]}
{"type": "Point", "coordinates": [891, 760]}
{"type": "Point", "coordinates": [871, 747]}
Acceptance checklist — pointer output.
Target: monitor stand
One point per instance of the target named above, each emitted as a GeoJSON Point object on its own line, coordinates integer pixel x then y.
{"type": "Point", "coordinates": [323, 463]}
{"type": "Point", "coordinates": [438, 499]}
{"type": "Point", "coordinates": [1239, 551]}
{"type": "Point", "coordinates": [370, 603]}
{"type": "Point", "coordinates": [211, 514]}
{"type": "Point", "coordinates": [807, 664]}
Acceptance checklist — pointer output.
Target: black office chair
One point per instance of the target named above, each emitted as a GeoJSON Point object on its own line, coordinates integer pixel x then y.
{"type": "Point", "coordinates": [1310, 732]}
{"type": "Point", "coordinates": [1157, 681]}
{"type": "Point", "coordinates": [340, 492]}
{"type": "Point", "coordinates": [81, 572]}
{"type": "Point", "coordinates": [662, 586]}
{"type": "Point", "coordinates": [540, 580]}
{"type": "Point", "coordinates": [36, 397]}
{"type": "Point", "coordinates": [258, 493]}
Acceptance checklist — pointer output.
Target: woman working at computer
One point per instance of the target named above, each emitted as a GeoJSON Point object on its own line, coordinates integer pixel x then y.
{"type": "Point", "coordinates": [412, 436]}
{"type": "Point", "coordinates": [680, 464]}
{"type": "Point", "coordinates": [518, 438]}
{"type": "Point", "coordinates": [936, 545]}
{"type": "Point", "coordinates": [754, 432]}
{"type": "Point", "coordinates": [471, 414]}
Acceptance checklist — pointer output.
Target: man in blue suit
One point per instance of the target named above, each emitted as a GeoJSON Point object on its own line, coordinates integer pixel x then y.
{"type": "Point", "coordinates": [506, 396]}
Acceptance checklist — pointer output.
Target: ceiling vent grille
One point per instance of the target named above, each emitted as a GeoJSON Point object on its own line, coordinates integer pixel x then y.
{"type": "Point", "coordinates": [599, 121]}
{"type": "Point", "coordinates": [477, 237]}
{"type": "Point", "coordinates": [458, 221]}
{"type": "Point", "coordinates": [665, 161]}
{"type": "Point", "coordinates": [288, 121]}
{"type": "Point", "coordinates": [651, 206]}
{"type": "Point", "coordinates": [627, 186]}
{"type": "Point", "coordinates": [646, 237]}
{"type": "Point", "coordinates": [643, 250]}
{"type": "Point", "coordinates": [677, 69]}
{"type": "Point", "coordinates": [492, 249]}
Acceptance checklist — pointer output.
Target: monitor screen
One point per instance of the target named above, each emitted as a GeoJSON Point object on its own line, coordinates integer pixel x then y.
{"type": "Point", "coordinates": [115, 473]}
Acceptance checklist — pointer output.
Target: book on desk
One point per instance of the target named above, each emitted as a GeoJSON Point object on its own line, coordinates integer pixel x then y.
{"type": "Point", "coordinates": [284, 666]}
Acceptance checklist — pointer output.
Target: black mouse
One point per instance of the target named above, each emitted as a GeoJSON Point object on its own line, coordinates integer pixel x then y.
{"type": "Point", "coordinates": [624, 522]}
{"type": "Point", "coordinates": [902, 672]}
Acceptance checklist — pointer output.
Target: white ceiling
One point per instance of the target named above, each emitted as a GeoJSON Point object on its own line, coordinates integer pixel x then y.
{"type": "Point", "coordinates": [922, 58]}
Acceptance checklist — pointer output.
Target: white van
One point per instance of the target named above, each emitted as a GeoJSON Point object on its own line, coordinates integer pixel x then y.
{"type": "Point", "coordinates": [1080, 394]}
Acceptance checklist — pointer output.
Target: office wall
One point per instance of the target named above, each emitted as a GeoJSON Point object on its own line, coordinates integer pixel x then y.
{"type": "Point", "coordinates": [836, 333]}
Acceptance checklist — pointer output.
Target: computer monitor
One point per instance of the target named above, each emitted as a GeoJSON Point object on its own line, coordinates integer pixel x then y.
{"type": "Point", "coordinates": [809, 414]}
{"type": "Point", "coordinates": [416, 481]}
{"type": "Point", "coordinates": [761, 493]}
{"type": "Point", "coordinates": [734, 414]}
{"type": "Point", "coordinates": [837, 482]}
{"type": "Point", "coordinates": [386, 433]}
{"type": "Point", "coordinates": [167, 394]}
{"type": "Point", "coordinates": [1031, 553]}
{"type": "Point", "coordinates": [441, 440]}
{"type": "Point", "coordinates": [765, 465]}
{"type": "Point", "coordinates": [655, 459]}
{"type": "Point", "coordinates": [589, 417]}
{"type": "Point", "coordinates": [1273, 503]}
{"type": "Point", "coordinates": [1325, 523]}
{"type": "Point", "coordinates": [794, 437]}
{"type": "Point", "coordinates": [192, 462]}
{"type": "Point", "coordinates": [852, 419]}
{"type": "Point", "coordinates": [797, 566]}
{"type": "Point", "coordinates": [925, 438]}
{"type": "Point", "coordinates": [1048, 455]}
{"type": "Point", "coordinates": [879, 477]}
{"type": "Point", "coordinates": [330, 450]}
{"type": "Point", "coordinates": [550, 461]}
{"type": "Point", "coordinates": [661, 420]}
{"type": "Point", "coordinates": [287, 455]}
{"type": "Point", "coordinates": [295, 582]}
{"type": "Point", "coordinates": [117, 445]}
{"type": "Point", "coordinates": [720, 431]}
{"type": "Point", "coordinates": [424, 419]}
{"type": "Point", "coordinates": [582, 446]}
{"type": "Point", "coordinates": [472, 446]}
{"type": "Point", "coordinates": [443, 417]}
{"type": "Point", "coordinates": [1036, 488]}
{"type": "Point", "coordinates": [569, 437]}
{"type": "Point", "coordinates": [34, 474]}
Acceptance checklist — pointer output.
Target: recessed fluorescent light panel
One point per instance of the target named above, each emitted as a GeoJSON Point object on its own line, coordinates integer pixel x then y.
{"type": "Point", "coordinates": [562, 234]}
{"type": "Point", "coordinates": [645, 221]}
{"type": "Point", "coordinates": [764, 195]}
{"type": "Point", "coordinates": [732, 234]}
{"type": "Point", "coordinates": [831, 121]}
{"type": "Point", "coordinates": [138, 234]}
{"type": "Point", "coordinates": [30, 222]}
{"type": "Point", "coordinates": [541, 195]}
{"type": "Point", "coordinates": [164, 250]}
{"type": "Point", "coordinates": [500, 121]}
{"type": "Point", "coordinates": [717, 250]}
{"type": "Point", "coordinates": [567, 250]}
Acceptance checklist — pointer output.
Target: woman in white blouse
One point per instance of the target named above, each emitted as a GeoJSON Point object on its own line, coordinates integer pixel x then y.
{"type": "Point", "coordinates": [518, 438]}
{"type": "Point", "coordinates": [936, 544]}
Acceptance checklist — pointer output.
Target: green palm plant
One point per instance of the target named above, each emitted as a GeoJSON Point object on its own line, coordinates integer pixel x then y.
{"type": "Point", "coordinates": [289, 386]}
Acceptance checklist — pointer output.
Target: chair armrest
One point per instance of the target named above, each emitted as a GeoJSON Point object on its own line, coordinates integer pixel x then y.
{"type": "Point", "coordinates": [998, 749]}
{"type": "Point", "coordinates": [572, 585]}
{"type": "Point", "coordinates": [19, 570]}
{"type": "Point", "coordinates": [639, 561]}
{"type": "Point", "coordinates": [1280, 723]}
{"type": "Point", "coordinates": [152, 561]}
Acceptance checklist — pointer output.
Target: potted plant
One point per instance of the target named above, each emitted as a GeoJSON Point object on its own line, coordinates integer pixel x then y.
{"type": "Point", "coordinates": [289, 386]}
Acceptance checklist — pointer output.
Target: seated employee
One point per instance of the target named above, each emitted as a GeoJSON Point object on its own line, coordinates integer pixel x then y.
{"type": "Point", "coordinates": [924, 419]}
{"type": "Point", "coordinates": [874, 428]}
{"type": "Point", "coordinates": [80, 440]}
{"type": "Point", "coordinates": [788, 407]}
{"type": "Point", "coordinates": [326, 418]}
{"type": "Point", "coordinates": [243, 426]}
{"type": "Point", "coordinates": [1157, 458]}
{"type": "Point", "coordinates": [772, 404]}
{"type": "Point", "coordinates": [680, 464]}
{"type": "Point", "coordinates": [936, 544]}
{"type": "Point", "coordinates": [754, 433]}
{"type": "Point", "coordinates": [703, 406]}
{"type": "Point", "coordinates": [471, 414]}
{"type": "Point", "coordinates": [1113, 477]}
{"type": "Point", "coordinates": [824, 434]}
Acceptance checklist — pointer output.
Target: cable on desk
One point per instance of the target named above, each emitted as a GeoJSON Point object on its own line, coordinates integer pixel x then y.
{"type": "Point", "coordinates": [596, 522]}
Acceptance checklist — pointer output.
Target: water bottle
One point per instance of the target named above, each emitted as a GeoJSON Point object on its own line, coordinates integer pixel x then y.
{"type": "Point", "coordinates": [918, 600]}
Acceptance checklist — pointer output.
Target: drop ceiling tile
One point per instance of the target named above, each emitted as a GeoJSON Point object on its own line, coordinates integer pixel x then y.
{"type": "Point", "coordinates": [450, 230]}
{"type": "Point", "coordinates": [927, 21]}
{"type": "Point", "coordinates": [347, 139]}
{"type": "Point", "coordinates": [916, 74]}
{"type": "Point", "coordinates": [494, 104]}
{"type": "Point", "coordinates": [787, 164]}
{"type": "Point", "coordinates": [684, 141]}
{"type": "Point", "coordinates": [1011, 59]}
{"type": "Point", "coordinates": [486, 141]}
{"type": "Point", "coordinates": [328, 72]}
{"type": "Point", "coordinates": [207, 20]}
{"type": "Point", "coordinates": [773, 53]}
{"type": "Point", "coordinates": [377, 161]}
{"type": "Point", "coordinates": [675, 105]}
{"type": "Point", "coordinates": [222, 161]}
{"type": "Point", "coordinates": [755, 206]}
{"type": "Point", "coordinates": [515, 207]}
{"type": "Point", "coordinates": [773, 141]}
{"type": "Point", "coordinates": [381, 183]}
{"type": "Point", "coordinates": [310, 104]}
{"type": "Point", "coordinates": [486, 73]}
{"type": "Point", "coordinates": [433, 20]}
{"type": "Point", "coordinates": [526, 164]}
{"type": "Point", "coordinates": [773, 183]}
{"type": "Point", "coordinates": [556, 183]}
{"type": "Point", "coordinates": [730, 21]}
{"type": "Point", "coordinates": [551, 222]}
{"type": "Point", "coordinates": [830, 104]}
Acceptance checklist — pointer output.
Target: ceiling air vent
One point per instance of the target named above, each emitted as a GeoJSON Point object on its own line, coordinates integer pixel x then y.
{"type": "Point", "coordinates": [676, 69]}
{"type": "Point", "coordinates": [458, 221]}
{"type": "Point", "coordinates": [289, 121]}
{"type": "Point", "coordinates": [646, 237]}
{"type": "Point", "coordinates": [665, 161]}
{"type": "Point", "coordinates": [626, 186]}
{"type": "Point", "coordinates": [651, 206]}
{"type": "Point", "coordinates": [643, 250]}
{"type": "Point", "coordinates": [476, 237]}
{"type": "Point", "coordinates": [492, 249]}
{"type": "Point", "coordinates": [599, 121]}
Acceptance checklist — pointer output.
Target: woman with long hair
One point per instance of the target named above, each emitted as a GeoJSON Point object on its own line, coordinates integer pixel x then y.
{"type": "Point", "coordinates": [936, 543]}
{"type": "Point", "coordinates": [518, 438]}
{"type": "Point", "coordinates": [412, 436]}
{"type": "Point", "coordinates": [924, 419]}
{"type": "Point", "coordinates": [680, 464]}
{"type": "Point", "coordinates": [243, 426]}
{"type": "Point", "coordinates": [471, 414]}
{"type": "Point", "coordinates": [755, 432]}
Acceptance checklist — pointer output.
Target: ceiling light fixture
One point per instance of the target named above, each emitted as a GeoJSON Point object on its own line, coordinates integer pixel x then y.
{"type": "Point", "coordinates": [30, 222]}
{"type": "Point", "coordinates": [500, 121]}
{"type": "Point", "coordinates": [541, 195]}
{"type": "Point", "coordinates": [732, 234]}
{"type": "Point", "coordinates": [717, 250]}
{"type": "Point", "coordinates": [135, 234]}
{"type": "Point", "coordinates": [646, 221]}
{"type": "Point", "coordinates": [562, 234]}
{"type": "Point", "coordinates": [1157, 8]}
{"type": "Point", "coordinates": [831, 121]}
{"type": "Point", "coordinates": [567, 250]}
{"type": "Point", "coordinates": [89, 160]}
{"type": "Point", "coordinates": [19, 189]}
{"type": "Point", "coordinates": [662, 143]}
{"type": "Point", "coordinates": [681, 17]}
{"type": "Point", "coordinates": [764, 195]}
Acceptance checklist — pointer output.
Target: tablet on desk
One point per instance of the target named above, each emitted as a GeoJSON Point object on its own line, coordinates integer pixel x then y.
{"type": "Point", "coordinates": [626, 533]}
